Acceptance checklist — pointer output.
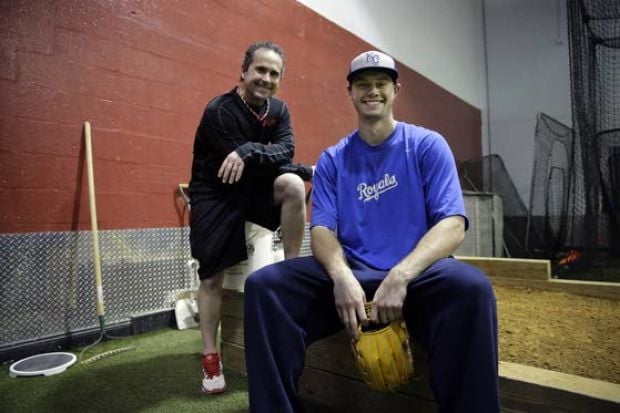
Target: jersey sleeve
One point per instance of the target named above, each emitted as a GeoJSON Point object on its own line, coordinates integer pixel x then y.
{"type": "Point", "coordinates": [442, 188]}
{"type": "Point", "coordinates": [324, 201]}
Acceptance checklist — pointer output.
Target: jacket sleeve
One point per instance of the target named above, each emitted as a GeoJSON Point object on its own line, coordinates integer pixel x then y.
{"type": "Point", "coordinates": [279, 151]}
{"type": "Point", "coordinates": [305, 172]}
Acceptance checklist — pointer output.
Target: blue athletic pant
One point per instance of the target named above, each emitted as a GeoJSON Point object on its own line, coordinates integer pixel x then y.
{"type": "Point", "coordinates": [449, 309]}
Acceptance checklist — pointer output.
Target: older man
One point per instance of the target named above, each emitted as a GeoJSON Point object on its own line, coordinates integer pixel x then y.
{"type": "Point", "coordinates": [242, 171]}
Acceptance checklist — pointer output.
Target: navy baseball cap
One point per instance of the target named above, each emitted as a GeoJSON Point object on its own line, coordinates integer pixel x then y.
{"type": "Point", "coordinates": [372, 60]}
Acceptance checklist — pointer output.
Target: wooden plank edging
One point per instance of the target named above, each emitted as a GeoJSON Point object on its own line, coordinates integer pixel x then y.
{"type": "Point", "coordinates": [604, 290]}
{"type": "Point", "coordinates": [520, 268]}
{"type": "Point", "coordinates": [596, 389]}
{"type": "Point", "coordinates": [521, 272]}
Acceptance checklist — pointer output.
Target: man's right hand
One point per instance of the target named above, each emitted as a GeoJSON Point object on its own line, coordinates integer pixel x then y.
{"type": "Point", "coordinates": [231, 169]}
{"type": "Point", "coordinates": [350, 298]}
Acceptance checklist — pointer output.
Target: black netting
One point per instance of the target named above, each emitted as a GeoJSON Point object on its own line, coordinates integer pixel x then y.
{"type": "Point", "coordinates": [574, 210]}
{"type": "Point", "coordinates": [608, 151]}
{"type": "Point", "coordinates": [489, 174]}
{"type": "Point", "coordinates": [594, 33]}
{"type": "Point", "coordinates": [550, 190]}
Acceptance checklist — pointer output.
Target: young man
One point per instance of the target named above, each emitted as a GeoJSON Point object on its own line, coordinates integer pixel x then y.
{"type": "Point", "coordinates": [242, 171]}
{"type": "Point", "coordinates": [387, 215]}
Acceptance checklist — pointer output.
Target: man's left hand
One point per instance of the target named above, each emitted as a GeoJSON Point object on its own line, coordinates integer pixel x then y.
{"type": "Point", "coordinates": [389, 298]}
{"type": "Point", "coordinates": [231, 169]}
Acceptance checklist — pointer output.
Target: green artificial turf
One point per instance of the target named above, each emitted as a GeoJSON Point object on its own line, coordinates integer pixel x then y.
{"type": "Point", "coordinates": [161, 374]}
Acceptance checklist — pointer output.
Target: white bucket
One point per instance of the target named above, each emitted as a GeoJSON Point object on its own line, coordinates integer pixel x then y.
{"type": "Point", "coordinates": [259, 242]}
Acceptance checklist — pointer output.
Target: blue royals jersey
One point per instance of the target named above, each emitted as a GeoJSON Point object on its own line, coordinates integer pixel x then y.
{"type": "Point", "coordinates": [381, 200]}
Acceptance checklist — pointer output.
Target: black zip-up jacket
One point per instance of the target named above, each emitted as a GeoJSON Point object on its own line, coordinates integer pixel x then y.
{"type": "Point", "coordinates": [266, 146]}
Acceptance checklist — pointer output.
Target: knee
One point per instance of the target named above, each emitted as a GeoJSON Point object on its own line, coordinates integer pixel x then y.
{"type": "Point", "coordinates": [290, 188]}
{"type": "Point", "coordinates": [265, 279]}
{"type": "Point", "coordinates": [477, 281]}
{"type": "Point", "coordinates": [212, 284]}
{"type": "Point", "coordinates": [471, 284]}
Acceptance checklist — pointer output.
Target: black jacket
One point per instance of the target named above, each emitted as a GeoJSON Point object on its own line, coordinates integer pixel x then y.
{"type": "Point", "coordinates": [266, 146]}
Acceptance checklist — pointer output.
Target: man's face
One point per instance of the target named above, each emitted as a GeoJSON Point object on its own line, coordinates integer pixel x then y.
{"type": "Point", "coordinates": [372, 94]}
{"type": "Point", "coordinates": [262, 78]}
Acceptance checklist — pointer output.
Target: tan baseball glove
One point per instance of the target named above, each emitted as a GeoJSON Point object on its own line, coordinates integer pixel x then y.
{"type": "Point", "coordinates": [383, 355]}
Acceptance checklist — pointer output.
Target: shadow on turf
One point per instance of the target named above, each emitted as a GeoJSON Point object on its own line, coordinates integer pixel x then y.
{"type": "Point", "coordinates": [171, 382]}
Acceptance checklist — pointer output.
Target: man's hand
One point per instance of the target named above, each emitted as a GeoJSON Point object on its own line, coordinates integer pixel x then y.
{"type": "Point", "coordinates": [231, 169]}
{"type": "Point", "coordinates": [389, 298]}
{"type": "Point", "coordinates": [350, 297]}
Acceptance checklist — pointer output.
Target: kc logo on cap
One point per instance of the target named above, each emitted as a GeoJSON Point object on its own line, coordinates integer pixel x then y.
{"type": "Point", "coordinates": [372, 60]}
{"type": "Point", "coordinates": [374, 57]}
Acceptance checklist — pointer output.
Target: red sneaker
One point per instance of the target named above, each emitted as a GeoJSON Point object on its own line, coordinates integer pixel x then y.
{"type": "Point", "coordinates": [213, 375]}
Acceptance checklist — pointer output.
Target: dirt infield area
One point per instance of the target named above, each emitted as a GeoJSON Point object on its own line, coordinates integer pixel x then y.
{"type": "Point", "coordinates": [561, 332]}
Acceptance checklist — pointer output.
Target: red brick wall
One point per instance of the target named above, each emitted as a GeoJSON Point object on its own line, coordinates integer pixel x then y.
{"type": "Point", "coordinates": [142, 72]}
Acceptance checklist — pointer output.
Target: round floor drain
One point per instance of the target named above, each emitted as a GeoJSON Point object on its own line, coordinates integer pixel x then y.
{"type": "Point", "coordinates": [45, 364]}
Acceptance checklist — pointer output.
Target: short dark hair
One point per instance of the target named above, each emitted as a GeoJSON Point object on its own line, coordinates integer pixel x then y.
{"type": "Point", "coordinates": [249, 54]}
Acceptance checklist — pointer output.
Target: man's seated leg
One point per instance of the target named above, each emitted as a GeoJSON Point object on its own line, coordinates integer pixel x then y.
{"type": "Point", "coordinates": [210, 310]}
{"type": "Point", "coordinates": [450, 308]}
{"type": "Point", "coordinates": [287, 306]}
{"type": "Point", "coordinates": [289, 193]}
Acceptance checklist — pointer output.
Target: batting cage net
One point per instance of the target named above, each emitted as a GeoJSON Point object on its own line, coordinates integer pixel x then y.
{"type": "Point", "coordinates": [594, 209]}
{"type": "Point", "coordinates": [550, 191]}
